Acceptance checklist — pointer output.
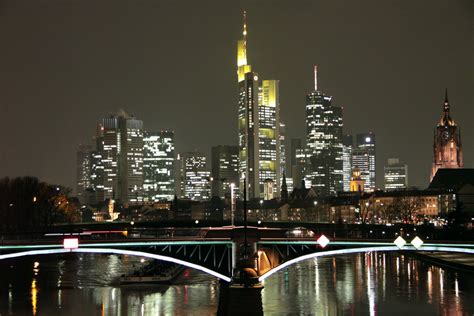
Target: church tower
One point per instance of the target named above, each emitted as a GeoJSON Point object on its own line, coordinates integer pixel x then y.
{"type": "Point", "coordinates": [447, 146]}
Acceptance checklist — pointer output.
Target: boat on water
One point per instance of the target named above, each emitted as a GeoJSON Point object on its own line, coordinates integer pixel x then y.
{"type": "Point", "coordinates": [153, 273]}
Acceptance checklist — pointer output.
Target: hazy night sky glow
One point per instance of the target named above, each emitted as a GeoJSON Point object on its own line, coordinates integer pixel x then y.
{"type": "Point", "coordinates": [65, 64]}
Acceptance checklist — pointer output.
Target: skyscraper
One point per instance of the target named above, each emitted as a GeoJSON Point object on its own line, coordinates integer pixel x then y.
{"type": "Point", "coordinates": [447, 147]}
{"type": "Point", "coordinates": [259, 127]}
{"type": "Point", "coordinates": [324, 149]}
{"type": "Point", "coordinates": [347, 144]}
{"type": "Point", "coordinates": [197, 177]}
{"type": "Point", "coordinates": [283, 163]}
{"type": "Point", "coordinates": [83, 171]}
{"type": "Point", "coordinates": [158, 166]}
{"type": "Point", "coordinates": [269, 138]}
{"type": "Point", "coordinates": [248, 119]}
{"type": "Point", "coordinates": [395, 175]}
{"type": "Point", "coordinates": [120, 145]}
{"type": "Point", "coordinates": [179, 175]}
{"type": "Point", "coordinates": [363, 157]}
{"type": "Point", "coordinates": [224, 170]}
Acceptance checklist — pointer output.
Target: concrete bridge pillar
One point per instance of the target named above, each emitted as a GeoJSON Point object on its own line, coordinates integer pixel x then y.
{"type": "Point", "coordinates": [243, 295]}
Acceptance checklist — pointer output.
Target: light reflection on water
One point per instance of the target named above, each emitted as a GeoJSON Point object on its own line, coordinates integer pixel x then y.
{"type": "Point", "coordinates": [366, 284]}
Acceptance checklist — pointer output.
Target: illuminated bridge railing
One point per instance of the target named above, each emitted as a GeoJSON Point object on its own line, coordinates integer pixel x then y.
{"type": "Point", "coordinates": [212, 257]}
{"type": "Point", "coordinates": [276, 255]}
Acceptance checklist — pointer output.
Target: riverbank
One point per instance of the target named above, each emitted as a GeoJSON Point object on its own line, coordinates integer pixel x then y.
{"type": "Point", "coordinates": [458, 261]}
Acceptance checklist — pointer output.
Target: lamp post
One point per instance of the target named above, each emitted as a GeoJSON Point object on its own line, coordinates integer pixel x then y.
{"type": "Point", "coordinates": [245, 217]}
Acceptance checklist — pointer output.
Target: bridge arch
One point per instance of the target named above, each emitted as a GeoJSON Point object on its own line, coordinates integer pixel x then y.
{"type": "Point", "coordinates": [118, 252]}
{"type": "Point", "coordinates": [329, 253]}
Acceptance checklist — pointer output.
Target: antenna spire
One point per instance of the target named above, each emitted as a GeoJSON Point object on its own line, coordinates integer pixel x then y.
{"type": "Point", "coordinates": [446, 95]}
{"type": "Point", "coordinates": [245, 25]}
{"type": "Point", "coordinates": [316, 78]}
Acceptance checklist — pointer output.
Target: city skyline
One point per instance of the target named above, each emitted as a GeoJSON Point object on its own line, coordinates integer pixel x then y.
{"type": "Point", "coordinates": [400, 102]}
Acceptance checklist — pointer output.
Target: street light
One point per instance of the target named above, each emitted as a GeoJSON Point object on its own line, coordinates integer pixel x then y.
{"type": "Point", "coordinates": [245, 215]}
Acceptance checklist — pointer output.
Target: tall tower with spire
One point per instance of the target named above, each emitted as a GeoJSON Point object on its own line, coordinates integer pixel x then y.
{"type": "Point", "coordinates": [324, 147]}
{"type": "Point", "coordinates": [259, 127]}
{"type": "Point", "coordinates": [248, 119]}
{"type": "Point", "coordinates": [447, 148]}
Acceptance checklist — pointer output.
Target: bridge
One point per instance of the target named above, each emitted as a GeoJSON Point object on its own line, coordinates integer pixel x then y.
{"type": "Point", "coordinates": [236, 255]}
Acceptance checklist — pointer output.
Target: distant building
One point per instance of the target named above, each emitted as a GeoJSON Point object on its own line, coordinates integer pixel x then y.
{"type": "Point", "coordinates": [356, 183]}
{"type": "Point", "coordinates": [283, 162]}
{"type": "Point", "coordinates": [447, 147]}
{"type": "Point", "coordinates": [407, 206]}
{"type": "Point", "coordinates": [120, 146]}
{"type": "Point", "coordinates": [197, 182]}
{"type": "Point", "coordinates": [347, 144]}
{"type": "Point", "coordinates": [258, 125]}
{"type": "Point", "coordinates": [294, 146]}
{"type": "Point", "coordinates": [179, 175]}
{"type": "Point", "coordinates": [269, 138]}
{"type": "Point", "coordinates": [324, 148]}
{"type": "Point", "coordinates": [83, 171]}
{"type": "Point", "coordinates": [158, 166]}
{"type": "Point", "coordinates": [395, 175]}
{"type": "Point", "coordinates": [224, 169]}
{"type": "Point", "coordinates": [248, 115]}
{"type": "Point", "coordinates": [363, 157]}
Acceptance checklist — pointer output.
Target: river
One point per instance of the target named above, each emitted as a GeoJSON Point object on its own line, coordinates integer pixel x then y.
{"type": "Point", "coordinates": [360, 284]}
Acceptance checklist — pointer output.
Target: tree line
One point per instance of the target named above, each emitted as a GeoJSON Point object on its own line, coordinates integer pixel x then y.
{"type": "Point", "coordinates": [27, 204]}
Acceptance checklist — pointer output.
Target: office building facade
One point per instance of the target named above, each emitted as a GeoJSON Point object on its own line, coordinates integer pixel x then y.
{"type": "Point", "coordinates": [363, 157]}
{"type": "Point", "coordinates": [224, 170]}
{"type": "Point", "coordinates": [158, 166]}
{"type": "Point", "coordinates": [324, 148]}
{"type": "Point", "coordinates": [395, 175]}
{"type": "Point", "coordinates": [197, 179]}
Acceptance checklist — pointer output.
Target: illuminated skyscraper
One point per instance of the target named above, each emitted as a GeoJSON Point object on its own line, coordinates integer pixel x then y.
{"type": "Point", "coordinates": [269, 139]}
{"type": "Point", "coordinates": [347, 144]}
{"type": "Point", "coordinates": [363, 157]}
{"type": "Point", "coordinates": [395, 175]}
{"type": "Point", "coordinates": [197, 184]}
{"type": "Point", "coordinates": [225, 169]}
{"type": "Point", "coordinates": [447, 147]}
{"type": "Point", "coordinates": [324, 149]}
{"type": "Point", "coordinates": [259, 126]}
{"type": "Point", "coordinates": [248, 119]}
{"type": "Point", "coordinates": [283, 165]}
{"type": "Point", "coordinates": [158, 166]}
{"type": "Point", "coordinates": [83, 171]}
{"type": "Point", "coordinates": [120, 144]}
{"type": "Point", "coordinates": [179, 175]}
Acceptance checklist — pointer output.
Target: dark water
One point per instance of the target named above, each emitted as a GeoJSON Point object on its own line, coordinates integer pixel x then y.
{"type": "Point", "coordinates": [363, 284]}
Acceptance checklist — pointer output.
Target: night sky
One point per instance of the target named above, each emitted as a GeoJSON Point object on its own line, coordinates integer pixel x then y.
{"type": "Point", "coordinates": [65, 64]}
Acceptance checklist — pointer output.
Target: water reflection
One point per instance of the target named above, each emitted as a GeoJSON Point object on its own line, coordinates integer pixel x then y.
{"type": "Point", "coordinates": [371, 283]}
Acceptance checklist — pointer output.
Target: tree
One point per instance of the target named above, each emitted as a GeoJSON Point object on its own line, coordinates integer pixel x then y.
{"type": "Point", "coordinates": [27, 203]}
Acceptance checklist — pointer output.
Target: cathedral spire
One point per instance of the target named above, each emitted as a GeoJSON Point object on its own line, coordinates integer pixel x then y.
{"type": "Point", "coordinates": [446, 102]}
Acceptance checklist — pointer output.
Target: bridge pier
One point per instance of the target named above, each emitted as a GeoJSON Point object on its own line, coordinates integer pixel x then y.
{"type": "Point", "coordinates": [237, 299]}
{"type": "Point", "coordinates": [244, 295]}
